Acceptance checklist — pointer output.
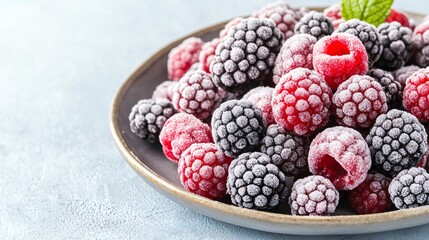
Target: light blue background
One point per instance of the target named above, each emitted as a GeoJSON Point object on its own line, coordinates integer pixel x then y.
{"type": "Point", "coordinates": [61, 62]}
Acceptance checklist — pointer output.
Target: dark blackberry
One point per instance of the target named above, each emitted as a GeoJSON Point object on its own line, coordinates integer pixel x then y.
{"type": "Point", "coordinates": [367, 34]}
{"type": "Point", "coordinates": [397, 141]}
{"type": "Point", "coordinates": [237, 127]}
{"type": "Point", "coordinates": [148, 116]}
{"type": "Point", "coordinates": [410, 188]}
{"type": "Point", "coordinates": [315, 24]}
{"type": "Point", "coordinates": [286, 150]}
{"type": "Point", "coordinates": [391, 87]}
{"type": "Point", "coordinates": [397, 45]}
{"type": "Point", "coordinates": [421, 44]}
{"type": "Point", "coordinates": [255, 182]}
{"type": "Point", "coordinates": [246, 55]}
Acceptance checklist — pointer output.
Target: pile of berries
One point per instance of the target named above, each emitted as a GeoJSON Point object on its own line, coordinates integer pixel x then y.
{"type": "Point", "coordinates": [296, 95]}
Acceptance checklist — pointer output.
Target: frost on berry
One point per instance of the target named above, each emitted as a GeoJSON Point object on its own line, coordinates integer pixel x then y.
{"type": "Point", "coordinates": [403, 73]}
{"type": "Point", "coordinates": [207, 54]}
{"type": "Point", "coordinates": [333, 13]}
{"type": "Point", "coordinates": [341, 155]}
{"type": "Point", "coordinates": [391, 87]}
{"type": "Point", "coordinates": [182, 57]}
{"type": "Point", "coordinates": [261, 98]}
{"type": "Point", "coordinates": [421, 44]}
{"type": "Point", "coordinates": [416, 92]}
{"type": "Point", "coordinates": [165, 90]}
{"type": "Point", "coordinates": [315, 24]}
{"type": "Point", "coordinates": [230, 24]}
{"type": "Point", "coordinates": [338, 57]}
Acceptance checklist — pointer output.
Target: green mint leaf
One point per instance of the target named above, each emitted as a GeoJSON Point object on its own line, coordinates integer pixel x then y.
{"type": "Point", "coordinates": [371, 11]}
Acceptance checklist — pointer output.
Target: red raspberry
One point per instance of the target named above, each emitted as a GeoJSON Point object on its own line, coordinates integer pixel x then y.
{"type": "Point", "coordinates": [207, 54]}
{"type": "Point", "coordinates": [165, 90]}
{"type": "Point", "coordinates": [181, 58]}
{"type": "Point", "coordinates": [181, 131]}
{"type": "Point", "coordinates": [341, 155]}
{"type": "Point", "coordinates": [301, 102]}
{"type": "Point", "coordinates": [372, 195]}
{"type": "Point", "coordinates": [338, 57]}
{"type": "Point", "coordinates": [416, 92]}
{"type": "Point", "coordinates": [358, 102]}
{"type": "Point", "coordinates": [196, 94]}
{"type": "Point", "coordinates": [261, 98]}
{"type": "Point", "coordinates": [203, 170]}
{"type": "Point", "coordinates": [398, 16]}
{"type": "Point", "coordinates": [333, 13]}
{"type": "Point", "coordinates": [229, 25]}
{"type": "Point", "coordinates": [296, 52]}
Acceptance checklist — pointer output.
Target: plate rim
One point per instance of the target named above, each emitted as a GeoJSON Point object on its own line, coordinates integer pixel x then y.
{"type": "Point", "coordinates": [278, 218]}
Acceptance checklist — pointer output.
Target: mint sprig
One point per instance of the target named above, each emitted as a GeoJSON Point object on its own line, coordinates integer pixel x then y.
{"type": "Point", "coordinates": [370, 11]}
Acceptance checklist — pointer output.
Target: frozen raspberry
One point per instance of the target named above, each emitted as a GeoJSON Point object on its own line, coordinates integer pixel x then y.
{"type": "Point", "coordinates": [338, 57]}
{"type": "Point", "coordinates": [367, 34]}
{"type": "Point", "coordinates": [313, 196]}
{"type": "Point", "coordinates": [391, 87]}
{"type": "Point", "coordinates": [403, 73]}
{"type": "Point", "coordinates": [246, 55]}
{"type": "Point", "coordinates": [410, 188]}
{"type": "Point", "coordinates": [371, 196]}
{"type": "Point", "coordinates": [397, 45]}
{"type": "Point", "coordinates": [165, 90]}
{"type": "Point", "coordinates": [261, 98]}
{"type": "Point", "coordinates": [333, 13]}
{"type": "Point", "coordinates": [416, 93]}
{"type": "Point", "coordinates": [296, 52]}
{"type": "Point", "coordinates": [237, 127]}
{"type": "Point", "coordinates": [287, 151]}
{"type": "Point", "coordinates": [196, 95]}
{"type": "Point", "coordinates": [421, 44]}
{"type": "Point", "coordinates": [182, 57]}
{"type": "Point", "coordinates": [203, 170]}
{"type": "Point", "coordinates": [148, 117]}
{"type": "Point", "coordinates": [282, 14]}
{"type": "Point", "coordinates": [207, 54]}
{"type": "Point", "coordinates": [315, 24]}
{"type": "Point", "coordinates": [301, 102]}
{"type": "Point", "coordinates": [397, 141]}
{"type": "Point", "coordinates": [397, 16]}
{"type": "Point", "coordinates": [181, 131]}
{"type": "Point", "coordinates": [341, 155]}
{"type": "Point", "coordinates": [230, 24]}
{"type": "Point", "coordinates": [255, 182]}
{"type": "Point", "coordinates": [358, 102]}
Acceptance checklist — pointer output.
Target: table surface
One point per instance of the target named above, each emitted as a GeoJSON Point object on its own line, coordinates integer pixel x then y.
{"type": "Point", "coordinates": [61, 176]}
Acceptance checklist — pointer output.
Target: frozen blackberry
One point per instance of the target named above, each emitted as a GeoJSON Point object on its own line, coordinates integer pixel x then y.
{"type": "Point", "coordinates": [397, 141]}
{"type": "Point", "coordinates": [255, 182]}
{"type": "Point", "coordinates": [397, 45]}
{"type": "Point", "coordinates": [410, 188]}
{"type": "Point", "coordinates": [286, 150]}
{"type": "Point", "coordinates": [421, 44]}
{"type": "Point", "coordinates": [246, 55]}
{"type": "Point", "coordinates": [148, 116]}
{"type": "Point", "coordinates": [237, 127]}
{"type": "Point", "coordinates": [391, 87]}
{"type": "Point", "coordinates": [403, 73]}
{"type": "Point", "coordinates": [315, 24]}
{"type": "Point", "coordinates": [367, 34]}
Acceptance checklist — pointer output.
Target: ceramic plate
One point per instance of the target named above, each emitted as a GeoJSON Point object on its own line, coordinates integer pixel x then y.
{"type": "Point", "coordinates": [160, 173]}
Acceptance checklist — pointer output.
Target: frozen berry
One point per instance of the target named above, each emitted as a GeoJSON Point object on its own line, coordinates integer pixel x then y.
{"type": "Point", "coordinates": [261, 98]}
{"type": "Point", "coordinates": [338, 57]}
{"type": "Point", "coordinates": [341, 155]}
{"type": "Point", "coordinates": [367, 34]}
{"type": "Point", "coordinates": [203, 170]}
{"type": "Point", "coordinates": [255, 182]}
{"type": "Point", "coordinates": [416, 92]}
{"type": "Point", "coordinates": [230, 24]}
{"type": "Point", "coordinates": [313, 196]}
{"type": "Point", "coordinates": [301, 102]}
{"type": "Point", "coordinates": [391, 87]}
{"type": "Point", "coordinates": [397, 16]}
{"type": "Point", "coordinates": [182, 57]}
{"type": "Point", "coordinates": [287, 151]}
{"type": "Point", "coordinates": [372, 195]}
{"type": "Point", "coordinates": [196, 95]}
{"type": "Point", "coordinates": [165, 90]}
{"type": "Point", "coordinates": [421, 44]}
{"type": "Point", "coordinates": [207, 54]}
{"type": "Point", "coordinates": [181, 131]}
{"type": "Point", "coordinates": [410, 188]}
{"type": "Point", "coordinates": [246, 55]}
{"type": "Point", "coordinates": [358, 102]}
{"type": "Point", "coordinates": [237, 127]}
{"type": "Point", "coordinates": [315, 24]}
{"type": "Point", "coordinates": [397, 45]}
{"type": "Point", "coordinates": [397, 141]}
{"type": "Point", "coordinates": [333, 13]}
{"type": "Point", "coordinates": [403, 73]}
{"type": "Point", "coordinates": [296, 52]}
{"type": "Point", "coordinates": [148, 117]}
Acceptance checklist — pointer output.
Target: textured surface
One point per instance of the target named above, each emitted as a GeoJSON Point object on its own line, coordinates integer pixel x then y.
{"type": "Point", "coordinates": [61, 177]}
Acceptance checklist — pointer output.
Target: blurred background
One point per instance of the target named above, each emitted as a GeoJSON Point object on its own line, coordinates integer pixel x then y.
{"type": "Point", "coordinates": [61, 62]}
